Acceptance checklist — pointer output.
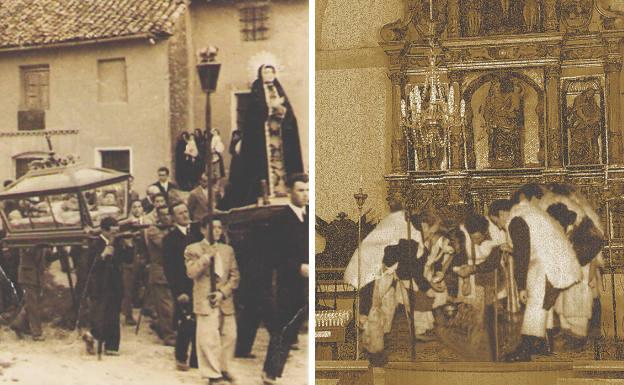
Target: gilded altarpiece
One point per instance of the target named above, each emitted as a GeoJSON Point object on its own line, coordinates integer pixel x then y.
{"type": "Point", "coordinates": [540, 84]}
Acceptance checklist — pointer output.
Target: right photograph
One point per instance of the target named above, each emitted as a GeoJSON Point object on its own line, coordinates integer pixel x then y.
{"type": "Point", "coordinates": [469, 192]}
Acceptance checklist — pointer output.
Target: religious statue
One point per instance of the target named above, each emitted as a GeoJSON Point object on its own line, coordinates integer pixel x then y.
{"type": "Point", "coordinates": [503, 112]}
{"type": "Point", "coordinates": [456, 147]}
{"type": "Point", "coordinates": [584, 122]}
{"type": "Point", "coordinates": [270, 146]}
{"type": "Point", "coordinates": [531, 14]}
{"type": "Point", "coordinates": [474, 17]}
{"type": "Point", "coordinates": [430, 147]}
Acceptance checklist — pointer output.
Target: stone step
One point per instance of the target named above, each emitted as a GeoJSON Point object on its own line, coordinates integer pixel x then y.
{"type": "Point", "coordinates": [590, 381]}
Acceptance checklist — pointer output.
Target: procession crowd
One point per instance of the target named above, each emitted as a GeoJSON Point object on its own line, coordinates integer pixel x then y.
{"type": "Point", "coordinates": [539, 251]}
{"type": "Point", "coordinates": [182, 277]}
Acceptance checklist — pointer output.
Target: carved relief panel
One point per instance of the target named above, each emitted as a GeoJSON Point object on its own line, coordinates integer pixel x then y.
{"type": "Point", "coordinates": [505, 118]}
{"type": "Point", "coordinates": [496, 17]}
{"type": "Point", "coordinates": [583, 110]}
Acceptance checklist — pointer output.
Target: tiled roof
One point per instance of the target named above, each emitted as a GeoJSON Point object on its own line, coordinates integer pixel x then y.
{"type": "Point", "coordinates": [39, 22]}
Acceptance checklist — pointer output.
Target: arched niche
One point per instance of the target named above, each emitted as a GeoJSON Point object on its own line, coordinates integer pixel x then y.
{"type": "Point", "coordinates": [504, 121]}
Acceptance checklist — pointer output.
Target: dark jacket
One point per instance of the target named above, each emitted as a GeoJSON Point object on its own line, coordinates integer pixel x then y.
{"type": "Point", "coordinates": [106, 279]}
{"type": "Point", "coordinates": [170, 186]}
{"type": "Point", "coordinates": [174, 244]}
{"type": "Point", "coordinates": [290, 243]}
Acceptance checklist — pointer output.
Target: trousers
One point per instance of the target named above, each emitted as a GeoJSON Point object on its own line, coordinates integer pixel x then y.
{"type": "Point", "coordinates": [216, 338]}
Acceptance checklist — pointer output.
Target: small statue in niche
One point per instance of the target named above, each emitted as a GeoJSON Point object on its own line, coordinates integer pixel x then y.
{"type": "Point", "coordinates": [473, 15]}
{"type": "Point", "coordinates": [456, 148]}
{"type": "Point", "coordinates": [584, 121]}
{"type": "Point", "coordinates": [430, 147]}
{"type": "Point", "coordinates": [503, 112]}
{"type": "Point", "coordinates": [531, 14]}
{"type": "Point", "coordinates": [505, 7]}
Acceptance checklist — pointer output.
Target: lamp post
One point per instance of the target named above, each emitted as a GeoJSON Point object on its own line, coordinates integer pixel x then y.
{"type": "Point", "coordinates": [208, 71]}
{"type": "Point", "coordinates": [360, 199]}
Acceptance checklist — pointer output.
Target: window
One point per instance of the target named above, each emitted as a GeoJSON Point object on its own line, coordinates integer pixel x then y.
{"type": "Point", "coordinates": [254, 19]}
{"type": "Point", "coordinates": [22, 165]}
{"type": "Point", "coordinates": [35, 87]}
{"type": "Point", "coordinates": [112, 83]}
{"type": "Point", "coordinates": [115, 159]}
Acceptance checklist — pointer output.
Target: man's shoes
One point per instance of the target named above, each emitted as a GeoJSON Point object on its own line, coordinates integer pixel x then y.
{"type": "Point", "coordinates": [248, 356]}
{"type": "Point", "coordinates": [216, 381]}
{"type": "Point", "coordinates": [89, 342]}
{"type": "Point", "coordinates": [130, 321]}
{"type": "Point", "coordinates": [182, 366]}
{"type": "Point", "coordinates": [18, 331]}
{"type": "Point", "coordinates": [227, 377]}
{"type": "Point", "coordinates": [39, 337]}
{"type": "Point", "coordinates": [170, 341]}
{"type": "Point", "coordinates": [522, 352]}
{"type": "Point", "coordinates": [111, 352]}
{"type": "Point", "coordinates": [268, 380]}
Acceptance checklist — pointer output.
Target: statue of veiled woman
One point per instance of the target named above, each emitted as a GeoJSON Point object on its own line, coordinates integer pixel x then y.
{"type": "Point", "coordinates": [584, 118]}
{"type": "Point", "coordinates": [503, 112]}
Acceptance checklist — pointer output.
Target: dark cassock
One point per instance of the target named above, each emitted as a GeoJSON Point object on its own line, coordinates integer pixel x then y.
{"type": "Point", "coordinates": [270, 147]}
{"type": "Point", "coordinates": [106, 289]}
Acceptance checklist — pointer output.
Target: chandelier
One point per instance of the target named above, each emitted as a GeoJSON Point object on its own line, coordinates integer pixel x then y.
{"type": "Point", "coordinates": [430, 118]}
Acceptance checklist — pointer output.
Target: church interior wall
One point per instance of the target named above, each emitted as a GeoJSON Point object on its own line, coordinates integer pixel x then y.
{"type": "Point", "coordinates": [353, 95]}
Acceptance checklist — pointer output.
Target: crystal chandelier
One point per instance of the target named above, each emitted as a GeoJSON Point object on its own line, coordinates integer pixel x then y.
{"type": "Point", "coordinates": [430, 118]}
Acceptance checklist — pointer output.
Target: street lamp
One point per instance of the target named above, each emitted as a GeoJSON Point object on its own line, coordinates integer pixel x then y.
{"type": "Point", "coordinates": [208, 71]}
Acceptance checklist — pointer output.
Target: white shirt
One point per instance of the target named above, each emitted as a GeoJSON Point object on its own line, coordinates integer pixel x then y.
{"type": "Point", "coordinates": [183, 229]}
{"type": "Point", "coordinates": [165, 185]}
{"type": "Point", "coordinates": [299, 211]}
{"type": "Point", "coordinates": [105, 239]}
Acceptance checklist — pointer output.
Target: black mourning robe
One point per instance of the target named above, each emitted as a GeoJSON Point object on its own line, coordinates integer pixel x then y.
{"type": "Point", "coordinates": [246, 189]}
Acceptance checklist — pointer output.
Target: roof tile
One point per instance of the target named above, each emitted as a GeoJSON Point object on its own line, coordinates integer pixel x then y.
{"type": "Point", "coordinates": [39, 22]}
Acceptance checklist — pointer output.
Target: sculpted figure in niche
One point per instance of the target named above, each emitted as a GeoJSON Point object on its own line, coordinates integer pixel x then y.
{"type": "Point", "coordinates": [503, 113]}
{"type": "Point", "coordinates": [584, 118]}
{"type": "Point", "coordinates": [531, 13]}
{"type": "Point", "coordinates": [474, 17]}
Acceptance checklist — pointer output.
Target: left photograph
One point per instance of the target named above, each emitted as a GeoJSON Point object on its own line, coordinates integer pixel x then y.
{"type": "Point", "coordinates": [154, 201]}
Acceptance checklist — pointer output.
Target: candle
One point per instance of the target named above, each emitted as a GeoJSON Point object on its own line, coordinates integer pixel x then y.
{"type": "Point", "coordinates": [451, 99]}
{"type": "Point", "coordinates": [403, 113]}
{"type": "Point", "coordinates": [462, 108]}
{"type": "Point", "coordinates": [361, 181]}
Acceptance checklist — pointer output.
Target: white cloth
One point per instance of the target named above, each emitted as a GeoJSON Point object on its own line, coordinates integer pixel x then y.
{"type": "Point", "coordinates": [387, 232]}
{"type": "Point", "coordinates": [552, 257]}
{"type": "Point", "coordinates": [191, 147]}
{"type": "Point", "coordinates": [549, 246]}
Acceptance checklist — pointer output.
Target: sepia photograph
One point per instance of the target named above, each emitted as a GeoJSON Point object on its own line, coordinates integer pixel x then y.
{"type": "Point", "coordinates": [469, 179]}
{"type": "Point", "coordinates": [154, 162]}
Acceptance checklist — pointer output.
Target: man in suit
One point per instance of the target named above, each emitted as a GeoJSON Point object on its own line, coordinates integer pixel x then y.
{"type": "Point", "coordinates": [214, 310]}
{"type": "Point", "coordinates": [290, 238]}
{"type": "Point", "coordinates": [157, 281]}
{"type": "Point", "coordinates": [106, 287]}
{"type": "Point", "coordinates": [148, 201]}
{"type": "Point", "coordinates": [164, 184]}
{"type": "Point", "coordinates": [180, 284]}
{"type": "Point", "coordinates": [198, 200]}
{"type": "Point", "coordinates": [152, 216]}
{"type": "Point", "coordinates": [30, 278]}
